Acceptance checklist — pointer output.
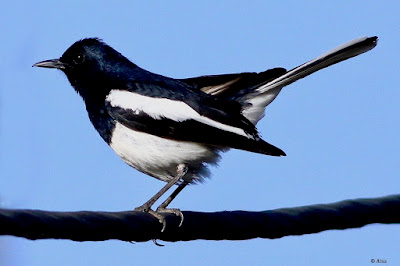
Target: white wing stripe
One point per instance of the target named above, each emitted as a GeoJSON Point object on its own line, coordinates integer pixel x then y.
{"type": "Point", "coordinates": [159, 108]}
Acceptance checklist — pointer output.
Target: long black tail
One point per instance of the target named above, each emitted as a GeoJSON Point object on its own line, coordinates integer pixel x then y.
{"type": "Point", "coordinates": [258, 97]}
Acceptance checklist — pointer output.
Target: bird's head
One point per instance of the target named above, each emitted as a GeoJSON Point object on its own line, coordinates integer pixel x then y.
{"type": "Point", "coordinates": [90, 65]}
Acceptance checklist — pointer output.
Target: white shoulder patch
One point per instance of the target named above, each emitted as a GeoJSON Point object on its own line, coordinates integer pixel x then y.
{"type": "Point", "coordinates": [159, 108]}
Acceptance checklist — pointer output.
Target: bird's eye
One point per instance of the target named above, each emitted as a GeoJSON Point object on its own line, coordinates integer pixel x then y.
{"type": "Point", "coordinates": [79, 59]}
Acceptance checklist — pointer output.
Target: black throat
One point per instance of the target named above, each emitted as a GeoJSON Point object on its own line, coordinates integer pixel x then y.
{"type": "Point", "coordinates": [101, 120]}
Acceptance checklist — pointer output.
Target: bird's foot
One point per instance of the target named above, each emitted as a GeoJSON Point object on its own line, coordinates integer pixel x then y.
{"type": "Point", "coordinates": [177, 212]}
{"type": "Point", "coordinates": [157, 215]}
{"type": "Point", "coordinates": [181, 171]}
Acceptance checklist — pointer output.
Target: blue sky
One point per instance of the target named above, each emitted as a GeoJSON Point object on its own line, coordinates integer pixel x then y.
{"type": "Point", "coordinates": [339, 127]}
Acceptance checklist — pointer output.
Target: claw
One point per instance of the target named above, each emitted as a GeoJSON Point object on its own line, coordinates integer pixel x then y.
{"type": "Point", "coordinates": [177, 212]}
{"type": "Point", "coordinates": [142, 208]}
{"type": "Point", "coordinates": [160, 218]}
{"type": "Point", "coordinates": [156, 243]}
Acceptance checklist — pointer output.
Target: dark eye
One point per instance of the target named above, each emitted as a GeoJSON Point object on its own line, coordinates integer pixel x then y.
{"type": "Point", "coordinates": [78, 59]}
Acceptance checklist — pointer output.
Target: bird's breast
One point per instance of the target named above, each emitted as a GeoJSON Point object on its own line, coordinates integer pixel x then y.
{"type": "Point", "coordinates": [159, 157]}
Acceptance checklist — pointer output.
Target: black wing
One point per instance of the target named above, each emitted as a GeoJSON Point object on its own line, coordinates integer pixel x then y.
{"type": "Point", "coordinates": [225, 111]}
{"type": "Point", "coordinates": [230, 85]}
{"type": "Point", "coordinates": [189, 130]}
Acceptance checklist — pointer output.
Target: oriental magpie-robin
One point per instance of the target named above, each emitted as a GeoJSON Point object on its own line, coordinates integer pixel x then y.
{"type": "Point", "coordinates": [172, 129]}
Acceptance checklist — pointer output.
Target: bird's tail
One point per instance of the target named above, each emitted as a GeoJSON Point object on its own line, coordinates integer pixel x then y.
{"type": "Point", "coordinates": [258, 97]}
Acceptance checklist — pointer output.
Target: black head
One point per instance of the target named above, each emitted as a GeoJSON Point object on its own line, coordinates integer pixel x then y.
{"type": "Point", "coordinates": [90, 65]}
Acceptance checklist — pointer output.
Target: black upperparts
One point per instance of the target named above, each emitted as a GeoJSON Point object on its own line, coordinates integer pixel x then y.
{"type": "Point", "coordinates": [97, 71]}
{"type": "Point", "coordinates": [232, 85]}
{"type": "Point", "coordinates": [94, 69]}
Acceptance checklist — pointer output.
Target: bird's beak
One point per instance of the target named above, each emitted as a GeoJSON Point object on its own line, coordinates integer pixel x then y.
{"type": "Point", "coordinates": [53, 63]}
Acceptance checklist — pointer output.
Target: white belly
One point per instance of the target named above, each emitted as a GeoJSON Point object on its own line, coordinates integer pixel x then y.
{"type": "Point", "coordinates": [158, 156]}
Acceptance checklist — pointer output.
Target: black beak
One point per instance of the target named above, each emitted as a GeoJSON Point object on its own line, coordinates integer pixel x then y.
{"type": "Point", "coordinates": [53, 63]}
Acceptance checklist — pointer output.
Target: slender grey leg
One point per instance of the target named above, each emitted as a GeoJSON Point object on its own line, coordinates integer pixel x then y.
{"type": "Point", "coordinates": [163, 206]}
{"type": "Point", "coordinates": [172, 196]}
{"type": "Point", "coordinates": [146, 207]}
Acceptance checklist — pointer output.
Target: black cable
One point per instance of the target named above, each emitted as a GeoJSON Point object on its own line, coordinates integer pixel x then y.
{"type": "Point", "coordinates": [235, 225]}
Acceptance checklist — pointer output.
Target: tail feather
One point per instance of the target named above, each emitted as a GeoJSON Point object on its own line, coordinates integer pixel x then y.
{"type": "Point", "coordinates": [262, 95]}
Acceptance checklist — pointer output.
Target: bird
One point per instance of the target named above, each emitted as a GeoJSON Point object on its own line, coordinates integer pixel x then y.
{"type": "Point", "coordinates": [174, 129]}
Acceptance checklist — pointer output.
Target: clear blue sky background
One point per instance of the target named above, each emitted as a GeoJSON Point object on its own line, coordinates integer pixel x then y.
{"type": "Point", "coordinates": [339, 127]}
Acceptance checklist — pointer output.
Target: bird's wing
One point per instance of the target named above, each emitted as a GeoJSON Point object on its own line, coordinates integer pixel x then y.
{"type": "Point", "coordinates": [228, 85]}
{"type": "Point", "coordinates": [179, 120]}
{"type": "Point", "coordinates": [256, 91]}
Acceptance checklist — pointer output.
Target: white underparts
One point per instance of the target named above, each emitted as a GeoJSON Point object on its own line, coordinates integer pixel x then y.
{"type": "Point", "coordinates": [158, 156]}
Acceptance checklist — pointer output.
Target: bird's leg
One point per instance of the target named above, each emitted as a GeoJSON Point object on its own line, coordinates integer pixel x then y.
{"type": "Point", "coordinates": [146, 207]}
{"type": "Point", "coordinates": [163, 206]}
